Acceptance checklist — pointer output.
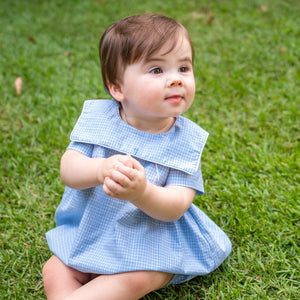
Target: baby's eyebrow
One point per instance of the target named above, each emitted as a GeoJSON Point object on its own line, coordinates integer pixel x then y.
{"type": "Point", "coordinates": [152, 59]}
{"type": "Point", "coordinates": [186, 59]}
{"type": "Point", "coordinates": [161, 59]}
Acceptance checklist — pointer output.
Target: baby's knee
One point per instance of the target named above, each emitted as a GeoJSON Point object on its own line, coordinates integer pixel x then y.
{"type": "Point", "coordinates": [147, 281]}
{"type": "Point", "coordinates": [47, 269]}
{"type": "Point", "coordinates": [54, 268]}
{"type": "Point", "coordinates": [48, 274]}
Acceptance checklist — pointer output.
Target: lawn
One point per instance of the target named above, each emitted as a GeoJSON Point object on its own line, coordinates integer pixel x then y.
{"type": "Point", "coordinates": [247, 71]}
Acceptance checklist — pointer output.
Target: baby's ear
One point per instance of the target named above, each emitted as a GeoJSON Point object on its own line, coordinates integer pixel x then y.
{"type": "Point", "coordinates": [116, 92]}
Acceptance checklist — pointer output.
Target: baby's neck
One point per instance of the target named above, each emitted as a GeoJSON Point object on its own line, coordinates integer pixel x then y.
{"type": "Point", "coordinates": [150, 126]}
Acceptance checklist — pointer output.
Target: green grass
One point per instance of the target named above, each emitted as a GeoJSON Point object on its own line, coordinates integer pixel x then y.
{"type": "Point", "coordinates": [248, 89]}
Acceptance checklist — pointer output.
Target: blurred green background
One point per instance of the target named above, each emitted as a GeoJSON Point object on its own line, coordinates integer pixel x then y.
{"type": "Point", "coordinates": [247, 74]}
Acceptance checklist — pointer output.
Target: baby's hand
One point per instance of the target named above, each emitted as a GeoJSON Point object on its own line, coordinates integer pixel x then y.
{"type": "Point", "coordinates": [107, 165]}
{"type": "Point", "coordinates": [127, 180]}
{"type": "Point", "coordinates": [127, 160]}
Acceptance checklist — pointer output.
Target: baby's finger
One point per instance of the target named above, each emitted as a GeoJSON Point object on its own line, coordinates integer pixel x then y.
{"type": "Point", "coordinates": [126, 160]}
{"type": "Point", "coordinates": [120, 177]}
{"type": "Point", "coordinates": [111, 188]}
{"type": "Point", "coordinates": [130, 173]}
{"type": "Point", "coordinates": [136, 165]}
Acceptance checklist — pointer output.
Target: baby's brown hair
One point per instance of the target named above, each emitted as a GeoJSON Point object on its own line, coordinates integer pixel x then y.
{"type": "Point", "coordinates": [134, 39]}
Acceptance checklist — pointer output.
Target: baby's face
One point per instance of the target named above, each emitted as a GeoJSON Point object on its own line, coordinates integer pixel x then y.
{"type": "Point", "coordinates": [161, 87]}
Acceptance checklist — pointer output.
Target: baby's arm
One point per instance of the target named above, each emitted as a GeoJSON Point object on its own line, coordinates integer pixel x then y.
{"type": "Point", "coordinates": [124, 178]}
{"type": "Point", "coordinates": [81, 172]}
{"type": "Point", "coordinates": [167, 203]}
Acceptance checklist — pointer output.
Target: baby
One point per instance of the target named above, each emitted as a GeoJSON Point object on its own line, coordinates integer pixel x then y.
{"type": "Point", "coordinates": [126, 224]}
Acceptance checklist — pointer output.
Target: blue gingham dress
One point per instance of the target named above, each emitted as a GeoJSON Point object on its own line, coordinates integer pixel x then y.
{"type": "Point", "coordinates": [98, 234]}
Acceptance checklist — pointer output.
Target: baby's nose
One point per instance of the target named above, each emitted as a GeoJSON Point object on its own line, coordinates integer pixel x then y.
{"type": "Point", "coordinates": [175, 82]}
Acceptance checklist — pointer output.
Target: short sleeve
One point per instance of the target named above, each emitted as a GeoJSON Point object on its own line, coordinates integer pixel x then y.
{"type": "Point", "coordinates": [83, 148]}
{"type": "Point", "coordinates": [194, 181]}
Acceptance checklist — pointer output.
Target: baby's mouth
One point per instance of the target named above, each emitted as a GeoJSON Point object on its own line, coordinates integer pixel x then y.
{"type": "Point", "coordinates": [174, 99]}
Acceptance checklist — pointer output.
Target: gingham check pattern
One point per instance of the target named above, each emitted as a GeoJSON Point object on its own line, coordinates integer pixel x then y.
{"type": "Point", "coordinates": [99, 234]}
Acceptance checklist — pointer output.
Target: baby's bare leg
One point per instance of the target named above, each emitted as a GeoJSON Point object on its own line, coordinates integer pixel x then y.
{"type": "Point", "coordinates": [61, 280]}
{"type": "Point", "coordinates": [125, 286]}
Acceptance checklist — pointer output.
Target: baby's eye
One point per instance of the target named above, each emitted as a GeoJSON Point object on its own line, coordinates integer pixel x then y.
{"type": "Point", "coordinates": [156, 71]}
{"type": "Point", "coordinates": [183, 69]}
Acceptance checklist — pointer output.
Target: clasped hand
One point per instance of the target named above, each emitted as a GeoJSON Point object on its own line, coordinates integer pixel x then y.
{"type": "Point", "coordinates": [123, 178]}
